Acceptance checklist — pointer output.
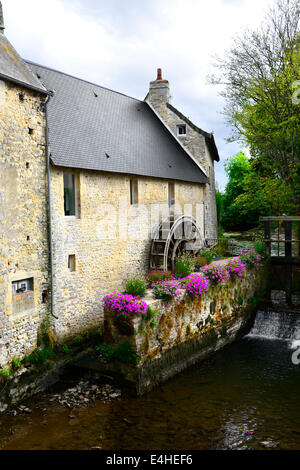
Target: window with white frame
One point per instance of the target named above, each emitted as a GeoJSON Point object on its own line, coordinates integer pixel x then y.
{"type": "Point", "coordinates": [181, 130]}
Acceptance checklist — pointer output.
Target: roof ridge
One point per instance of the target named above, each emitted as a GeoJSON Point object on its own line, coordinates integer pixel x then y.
{"type": "Point", "coordinates": [81, 79]}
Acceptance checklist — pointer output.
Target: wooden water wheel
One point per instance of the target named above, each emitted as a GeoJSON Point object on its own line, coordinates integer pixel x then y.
{"type": "Point", "coordinates": [175, 235]}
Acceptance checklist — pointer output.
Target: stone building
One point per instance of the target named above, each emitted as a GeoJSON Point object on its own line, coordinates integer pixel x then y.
{"type": "Point", "coordinates": [86, 173]}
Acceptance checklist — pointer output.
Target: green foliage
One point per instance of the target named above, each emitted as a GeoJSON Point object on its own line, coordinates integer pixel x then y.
{"type": "Point", "coordinates": [220, 250]}
{"type": "Point", "coordinates": [106, 350]}
{"type": "Point", "coordinates": [77, 341]}
{"type": "Point", "coordinates": [260, 248]}
{"type": "Point", "coordinates": [207, 254]}
{"type": "Point", "coordinates": [220, 206]}
{"type": "Point", "coordinates": [5, 373]}
{"type": "Point", "coordinates": [158, 275]}
{"type": "Point", "coordinates": [136, 287]}
{"type": "Point", "coordinates": [239, 213]}
{"type": "Point", "coordinates": [16, 363]}
{"type": "Point", "coordinates": [261, 71]}
{"type": "Point", "coordinates": [65, 348]}
{"type": "Point", "coordinates": [183, 267]}
{"type": "Point", "coordinates": [199, 262]}
{"type": "Point", "coordinates": [38, 356]}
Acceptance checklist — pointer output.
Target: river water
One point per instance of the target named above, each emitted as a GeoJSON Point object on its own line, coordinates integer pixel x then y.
{"type": "Point", "coordinates": [244, 395]}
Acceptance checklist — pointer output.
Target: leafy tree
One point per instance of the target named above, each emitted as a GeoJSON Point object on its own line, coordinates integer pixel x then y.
{"type": "Point", "coordinates": [261, 72]}
{"type": "Point", "coordinates": [238, 213]}
{"type": "Point", "coordinates": [220, 206]}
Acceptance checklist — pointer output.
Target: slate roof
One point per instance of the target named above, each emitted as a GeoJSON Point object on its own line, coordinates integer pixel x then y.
{"type": "Point", "coordinates": [13, 67]}
{"type": "Point", "coordinates": [92, 127]}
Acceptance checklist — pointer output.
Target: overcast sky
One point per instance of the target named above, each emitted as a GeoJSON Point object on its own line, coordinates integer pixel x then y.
{"type": "Point", "coordinates": [119, 44]}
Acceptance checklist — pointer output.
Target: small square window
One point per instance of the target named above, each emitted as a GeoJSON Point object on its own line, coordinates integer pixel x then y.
{"type": "Point", "coordinates": [72, 263]}
{"type": "Point", "coordinates": [70, 195]}
{"type": "Point", "coordinates": [181, 130]}
{"type": "Point", "coordinates": [133, 191]}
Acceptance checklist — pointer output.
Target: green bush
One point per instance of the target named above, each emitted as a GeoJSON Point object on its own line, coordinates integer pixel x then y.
{"type": "Point", "coordinates": [158, 275]}
{"type": "Point", "coordinates": [5, 373]}
{"type": "Point", "coordinates": [38, 356]}
{"type": "Point", "coordinates": [199, 262]}
{"type": "Point", "coordinates": [123, 353]}
{"type": "Point", "coordinates": [77, 341]}
{"type": "Point", "coordinates": [183, 268]}
{"type": "Point", "coordinates": [136, 287]}
{"type": "Point", "coordinates": [207, 254]}
{"type": "Point", "coordinates": [261, 249]}
{"type": "Point", "coordinates": [16, 364]}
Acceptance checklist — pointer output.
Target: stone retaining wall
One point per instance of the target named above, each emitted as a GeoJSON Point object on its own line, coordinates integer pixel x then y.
{"type": "Point", "coordinates": [186, 332]}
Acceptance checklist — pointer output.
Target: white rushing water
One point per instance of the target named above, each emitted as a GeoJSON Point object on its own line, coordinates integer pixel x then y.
{"type": "Point", "coordinates": [277, 325]}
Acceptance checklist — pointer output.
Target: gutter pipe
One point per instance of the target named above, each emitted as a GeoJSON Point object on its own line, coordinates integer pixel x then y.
{"type": "Point", "coordinates": [49, 209]}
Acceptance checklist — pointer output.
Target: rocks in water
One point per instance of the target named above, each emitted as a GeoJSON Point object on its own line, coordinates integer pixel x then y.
{"type": "Point", "coordinates": [269, 444]}
{"type": "Point", "coordinates": [21, 409]}
{"type": "Point", "coordinates": [3, 407]}
{"type": "Point", "coordinates": [84, 393]}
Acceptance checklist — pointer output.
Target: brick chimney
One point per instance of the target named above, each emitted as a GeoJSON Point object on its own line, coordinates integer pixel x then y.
{"type": "Point", "coordinates": [1, 19]}
{"type": "Point", "coordinates": [159, 93]}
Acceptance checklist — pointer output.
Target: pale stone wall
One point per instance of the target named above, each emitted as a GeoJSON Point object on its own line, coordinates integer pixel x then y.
{"type": "Point", "coordinates": [23, 218]}
{"type": "Point", "coordinates": [110, 239]}
{"type": "Point", "coordinates": [195, 143]}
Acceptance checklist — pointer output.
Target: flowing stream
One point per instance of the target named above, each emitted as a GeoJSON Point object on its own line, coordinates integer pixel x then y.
{"type": "Point", "coordinates": [244, 397]}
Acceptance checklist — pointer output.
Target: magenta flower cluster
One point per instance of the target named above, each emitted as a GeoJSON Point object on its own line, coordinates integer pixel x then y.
{"type": "Point", "coordinates": [251, 258]}
{"type": "Point", "coordinates": [124, 304]}
{"type": "Point", "coordinates": [216, 273]}
{"type": "Point", "coordinates": [195, 284]}
{"type": "Point", "coordinates": [167, 289]}
{"type": "Point", "coordinates": [236, 268]}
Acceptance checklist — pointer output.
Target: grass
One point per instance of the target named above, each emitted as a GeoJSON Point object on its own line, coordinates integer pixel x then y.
{"type": "Point", "coordinates": [136, 287]}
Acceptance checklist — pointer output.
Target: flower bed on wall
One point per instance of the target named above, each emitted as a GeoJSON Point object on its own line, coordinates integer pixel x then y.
{"type": "Point", "coordinates": [164, 285]}
{"type": "Point", "coordinates": [186, 319]}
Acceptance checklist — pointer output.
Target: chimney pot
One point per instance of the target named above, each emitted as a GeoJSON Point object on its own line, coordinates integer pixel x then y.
{"type": "Point", "coordinates": [159, 74]}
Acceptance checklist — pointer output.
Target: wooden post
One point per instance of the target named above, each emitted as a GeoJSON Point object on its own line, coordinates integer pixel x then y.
{"type": "Point", "coordinates": [268, 236]}
{"type": "Point", "coordinates": [288, 256]}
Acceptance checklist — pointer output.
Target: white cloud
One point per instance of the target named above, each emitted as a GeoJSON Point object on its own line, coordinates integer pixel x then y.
{"type": "Point", "coordinates": [121, 48]}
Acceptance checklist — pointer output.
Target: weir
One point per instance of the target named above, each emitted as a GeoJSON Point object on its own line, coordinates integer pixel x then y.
{"type": "Point", "coordinates": [276, 325]}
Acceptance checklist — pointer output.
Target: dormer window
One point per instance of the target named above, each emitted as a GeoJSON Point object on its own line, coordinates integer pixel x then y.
{"type": "Point", "coordinates": [181, 130]}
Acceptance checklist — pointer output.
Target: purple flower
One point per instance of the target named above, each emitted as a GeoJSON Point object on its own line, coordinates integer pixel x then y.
{"type": "Point", "coordinates": [123, 304]}
{"type": "Point", "coordinates": [195, 284]}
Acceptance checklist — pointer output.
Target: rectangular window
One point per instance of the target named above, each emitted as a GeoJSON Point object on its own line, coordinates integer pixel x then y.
{"type": "Point", "coordinates": [70, 194]}
{"type": "Point", "coordinates": [72, 263]}
{"type": "Point", "coordinates": [181, 130]}
{"type": "Point", "coordinates": [18, 287]}
{"type": "Point", "coordinates": [171, 194]}
{"type": "Point", "coordinates": [133, 191]}
{"type": "Point", "coordinates": [22, 295]}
